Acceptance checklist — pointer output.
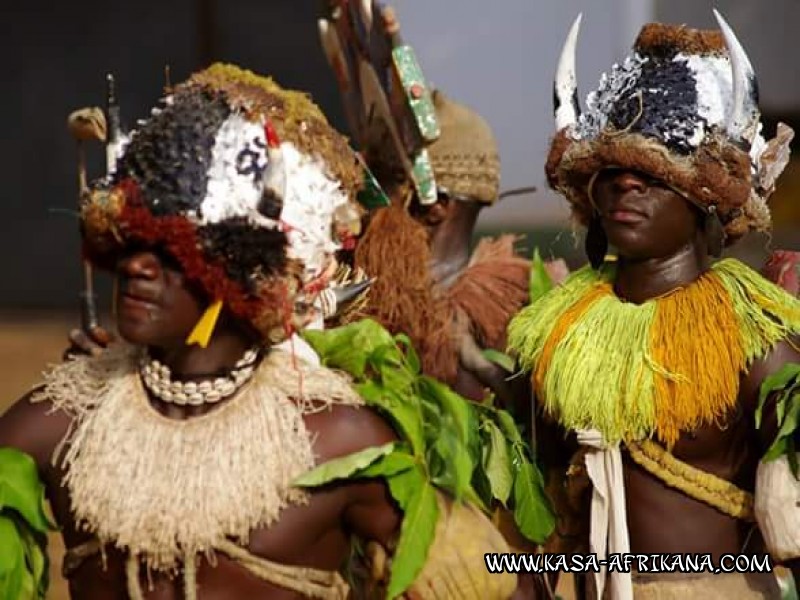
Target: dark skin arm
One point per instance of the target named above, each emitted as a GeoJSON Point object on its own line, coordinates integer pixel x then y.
{"type": "Point", "coordinates": [34, 429]}
{"type": "Point", "coordinates": [782, 354]}
{"type": "Point", "coordinates": [370, 512]}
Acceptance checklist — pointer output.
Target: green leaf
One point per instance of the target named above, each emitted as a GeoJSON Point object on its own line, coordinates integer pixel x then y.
{"type": "Point", "coordinates": [508, 426]}
{"type": "Point", "coordinates": [497, 463]}
{"type": "Point", "coordinates": [532, 511]}
{"type": "Point", "coordinates": [501, 359]}
{"type": "Point", "coordinates": [412, 358]}
{"type": "Point", "coordinates": [784, 440]}
{"type": "Point", "coordinates": [398, 379]}
{"type": "Point", "coordinates": [12, 560]}
{"type": "Point", "coordinates": [348, 347]}
{"type": "Point", "coordinates": [35, 550]}
{"type": "Point", "coordinates": [386, 356]}
{"type": "Point", "coordinates": [453, 405]}
{"type": "Point", "coordinates": [778, 448]}
{"type": "Point", "coordinates": [792, 419]}
{"type": "Point", "coordinates": [405, 484]}
{"type": "Point", "coordinates": [389, 465]}
{"type": "Point", "coordinates": [402, 411]}
{"type": "Point", "coordinates": [416, 536]}
{"type": "Point", "coordinates": [540, 282]}
{"type": "Point", "coordinates": [780, 406]}
{"type": "Point", "coordinates": [776, 382]}
{"type": "Point", "coordinates": [482, 486]}
{"type": "Point", "coordinates": [450, 464]}
{"type": "Point", "coordinates": [344, 467]}
{"type": "Point", "coordinates": [471, 496]}
{"type": "Point", "coordinates": [21, 489]}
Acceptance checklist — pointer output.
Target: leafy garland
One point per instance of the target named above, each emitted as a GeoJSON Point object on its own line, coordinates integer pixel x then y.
{"type": "Point", "coordinates": [23, 528]}
{"type": "Point", "coordinates": [472, 451]}
{"type": "Point", "coordinates": [786, 384]}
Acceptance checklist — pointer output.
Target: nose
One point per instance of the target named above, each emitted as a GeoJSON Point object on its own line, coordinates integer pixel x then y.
{"type": "Point", "coordinates": [626, 181]}
{"type": "Point", "coordinates": [142, 264]}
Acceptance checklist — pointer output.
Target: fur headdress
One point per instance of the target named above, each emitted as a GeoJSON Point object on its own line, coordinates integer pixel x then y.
{"type": "Point", "coordinates": [682, 107]}
{"type": "Point", "coordinates": [244, 184]}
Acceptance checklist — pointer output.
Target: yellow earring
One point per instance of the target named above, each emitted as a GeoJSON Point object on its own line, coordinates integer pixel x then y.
{"type": "Point", "coordinates": [202, 332]}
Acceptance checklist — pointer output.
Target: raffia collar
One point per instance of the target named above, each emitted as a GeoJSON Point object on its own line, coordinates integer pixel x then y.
{"type": "Point", "coordinates": [659, 368]}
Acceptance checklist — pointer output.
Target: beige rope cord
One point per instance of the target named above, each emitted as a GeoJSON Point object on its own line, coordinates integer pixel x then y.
{"type": "Point", "coordinates": [132, 578]}
{"type": "Point", "coordinates": [312, 583]}
{"type": "Point", "coordinates": [74, 557]}
{"type": "Point", "coordinates": [695, 483]}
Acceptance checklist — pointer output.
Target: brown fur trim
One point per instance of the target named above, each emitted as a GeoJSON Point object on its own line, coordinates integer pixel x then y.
{"type": "Point", "coordinates": [395, 250]}
{"type": "Point", "coordinates": [718, 173]}
{"type": "Point", "coordinates": [558, 146]}
{"type": "Point", "coordinates": [492, 289]}
{"type": "Point", "coordinates": [667, 40]}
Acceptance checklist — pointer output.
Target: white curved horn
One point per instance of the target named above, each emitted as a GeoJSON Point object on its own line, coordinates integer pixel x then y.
{"type": "Point", "coordinates": [565, 89]}
{"type": "Point", "coordinates": [366, 14]}
{"type": "Point", "coordinates": [742, 123]}
{"type": "Point", "coordinates": [274, 177]}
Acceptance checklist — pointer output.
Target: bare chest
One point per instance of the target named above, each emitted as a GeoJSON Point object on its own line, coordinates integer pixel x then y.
{"type": "Point", "coordinates": [309, 535]}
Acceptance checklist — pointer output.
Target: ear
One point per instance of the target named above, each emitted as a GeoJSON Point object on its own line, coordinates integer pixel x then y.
{"type": "Point", "coordinates": [436, 213]}
{"type": "Point", "coordinates": [715, 232]}
{"type": "Point", "coordinates": [596, 243]}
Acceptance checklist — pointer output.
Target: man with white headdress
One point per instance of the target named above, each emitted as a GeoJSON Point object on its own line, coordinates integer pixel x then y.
{"type": "Point", "coordinates": [652, 363]}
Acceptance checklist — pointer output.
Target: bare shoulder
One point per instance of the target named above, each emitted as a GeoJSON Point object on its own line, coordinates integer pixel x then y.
{"type": "Point", "coordinates": [341, 430]}
{"type": "Point", "coordinates": [34, 428]}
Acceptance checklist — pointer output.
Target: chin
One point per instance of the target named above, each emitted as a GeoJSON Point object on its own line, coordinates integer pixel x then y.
{"type": "Point", "coordinates": [138, 334]}
{"type": "Point", "coordinates": [138, 327]}
{"type": "Point", "coordinates": [629, 243]}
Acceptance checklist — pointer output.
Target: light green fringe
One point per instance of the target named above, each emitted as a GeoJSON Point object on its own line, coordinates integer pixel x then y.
{"type": "Point", "coordinates": [766, 313]}
{"type": "Point", "coordinates": [529, 330]}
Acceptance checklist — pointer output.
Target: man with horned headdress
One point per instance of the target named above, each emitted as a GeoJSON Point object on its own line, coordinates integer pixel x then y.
{"type": "Point", "coordinates": [182, 461]}
{"type": "Point", "coordinates": [652, 363]}
{"type": "Point", "coordinates": [438, 161]}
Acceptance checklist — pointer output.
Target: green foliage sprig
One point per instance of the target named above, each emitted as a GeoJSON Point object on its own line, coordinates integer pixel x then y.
{"type": "Point", "coordinates": [472, 451]}
{"type": "Point", "coordinates": [23, 528]}
{"type": "Point", "coordinates": [785, 386]}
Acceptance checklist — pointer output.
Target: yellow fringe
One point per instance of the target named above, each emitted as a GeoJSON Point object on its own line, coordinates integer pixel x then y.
{"type": "Point", "coordinates": [705, 487]}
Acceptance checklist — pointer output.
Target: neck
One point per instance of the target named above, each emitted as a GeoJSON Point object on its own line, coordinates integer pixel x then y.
{"type": "Point", "coordinates": [450, 244]}
{"type": "Point", "coordinates": [639, 280]}
{"type": "Point", "coordinates": [194, 362]}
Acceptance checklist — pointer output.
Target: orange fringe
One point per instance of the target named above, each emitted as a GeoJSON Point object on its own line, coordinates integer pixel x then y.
{"type": "Point", "coordinates": [705, 364]}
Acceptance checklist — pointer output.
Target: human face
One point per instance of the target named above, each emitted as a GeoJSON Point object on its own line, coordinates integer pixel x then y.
{"type": "Point", "coordinates": [155, 305]}
{"type": "Point", "coordinates": [642, 217]}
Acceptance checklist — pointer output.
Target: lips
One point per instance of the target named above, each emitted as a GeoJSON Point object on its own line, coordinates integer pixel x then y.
{"type": "Point", "coordinates": [624, 214]}
{"type": "Point", "coordinates": [135, 298]}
